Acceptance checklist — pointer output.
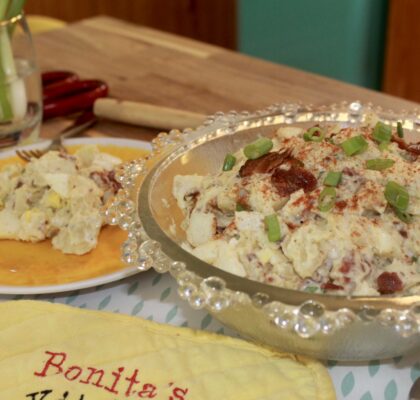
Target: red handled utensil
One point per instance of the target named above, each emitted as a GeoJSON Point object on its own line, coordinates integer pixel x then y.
{"type": "Point", "coordinates": [65, 94]}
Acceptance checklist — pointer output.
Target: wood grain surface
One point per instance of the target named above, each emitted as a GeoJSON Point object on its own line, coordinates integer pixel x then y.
{"type": "Point", "coordinates": [142, 64]}
{"type": "Point", "coordinates": [212, 21]}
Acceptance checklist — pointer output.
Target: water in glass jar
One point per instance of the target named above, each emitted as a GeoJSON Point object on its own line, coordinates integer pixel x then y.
{"type": "Point", "coordinates": [24, 98]}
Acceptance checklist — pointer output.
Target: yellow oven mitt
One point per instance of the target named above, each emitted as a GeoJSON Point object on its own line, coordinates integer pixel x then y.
{"type": "Point", "coordinates": [55, 352]}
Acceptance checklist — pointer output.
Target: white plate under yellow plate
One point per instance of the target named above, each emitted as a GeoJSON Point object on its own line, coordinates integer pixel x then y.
{"type": "Point", "coordinates": [66, 273]}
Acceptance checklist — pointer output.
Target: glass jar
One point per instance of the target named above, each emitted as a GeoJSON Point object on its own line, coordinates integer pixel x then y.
{"type": "Point", "coordinates": [20, 84]}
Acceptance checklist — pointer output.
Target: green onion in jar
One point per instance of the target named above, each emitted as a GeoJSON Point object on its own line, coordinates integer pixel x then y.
{"type": "Point", "coordinates": [354, 145]}
{"type": "Point", "coordinates": [326, 199]}
{"type": "Point", "coordinates": [273, 227]}
{"type": "Point", "coordinates": [229, 162]}
{"type": "Point", "coordinates": [379, 164]}
{"type": "Point", "coordinates": [332, 179]}
{"type": "Point", "coordinates": [314, 134]}
{"type": "Point", "coordinates": [258, 148]}
{"type": "Point", "coordinates": [382, 133]}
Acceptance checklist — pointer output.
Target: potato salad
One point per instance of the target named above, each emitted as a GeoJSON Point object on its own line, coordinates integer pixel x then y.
{"type": "Point", "coordinates": [325, 210]}
{"type": "Point", "coordinates": [57, 196]}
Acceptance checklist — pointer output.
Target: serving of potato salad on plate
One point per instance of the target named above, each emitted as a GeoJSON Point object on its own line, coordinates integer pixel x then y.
{"type": "Point", "coordinates": [57, 196]}
{"type": "Point", "coordinates": [328, 209]}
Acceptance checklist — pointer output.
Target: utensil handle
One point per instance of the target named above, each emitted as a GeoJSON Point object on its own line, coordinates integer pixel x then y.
{"type": "Point", "coordinates": [144, 114]}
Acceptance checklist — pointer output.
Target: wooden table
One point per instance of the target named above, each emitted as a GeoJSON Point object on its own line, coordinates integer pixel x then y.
{"type": "Point", "coordinates": [143, 64]}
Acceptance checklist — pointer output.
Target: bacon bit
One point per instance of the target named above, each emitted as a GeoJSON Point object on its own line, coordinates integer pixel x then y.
{"type": "Point", "coordinates": [291, 226]}
{"type": "Point", "coordinates": [107, 178]}
{"type": "Point", "coordinates": [331, 286]}
{"type": "Point", "coordinates": [347, 264]}
{"type": "Point", "coordinates": [403, 233]}
{"type": "Point", "coordinates": [354, 202]}
{"type": "Point", "coordinates": [289, 181]}
{"type": "Point", "coordinates": [268, 163]}
{"type": "Point", "coordinates": [270, 279]}
{"type": "Point", "coordinates": [299, 201]}
{"type": "Point", "coordinates": [191, 196]}
{"type": "Point", "coordinates": [413, 148]}
{"type": "Point", "coordinates": [355, 234]}
{"type": "Point", "coordinates": [389, 282]}
{"type": "Point", "coordinates": [349, 171]}
{"type": "Point", "coordinates": [341, 205]}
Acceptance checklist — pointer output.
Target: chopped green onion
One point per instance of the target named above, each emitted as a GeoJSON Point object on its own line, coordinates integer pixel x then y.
{"type": "Point", "coordinates": [383, 146]}
{"type": "Point", "coordinates": [229, 162]}
{"type": "Point", "coordinates": [314, 134]}
{"type": "Point", "coordinates": [396, 195]}
{"type": "Point", "coordinates": [273, 227]}
{"type": "Point", "coordinates": [382, 132]}
{"type": "Point", "coordinates": [258, 148]}
{"type": "Point", "coordinates": [311, 289]}
{"type": "Point", "coordinates": [354, 145]}
{"type": "Point", "coordinates": [332, 179]}
{"type": "Point", "coordinates": [379, 164]}
{"type": "Point", "coordinates": [402, 215]}
{"type": "Point", "coordinates": [240, 207]}
{"type": "Point", "coordinates": [400, 130]}
{"type": "Point", "coordinates": [326, 199]}
{"type": "Point", "coordinates": [414, 258]}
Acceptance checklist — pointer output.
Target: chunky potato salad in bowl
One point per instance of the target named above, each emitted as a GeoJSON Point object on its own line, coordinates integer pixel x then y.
{"type": "Point", "coordinates": [325, 209]}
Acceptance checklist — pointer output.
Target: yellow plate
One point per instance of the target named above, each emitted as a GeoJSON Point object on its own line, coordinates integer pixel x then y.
{"type": "Point", "coordinates": [30, 268]}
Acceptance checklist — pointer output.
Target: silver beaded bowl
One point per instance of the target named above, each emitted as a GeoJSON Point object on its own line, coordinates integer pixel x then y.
{"type": "Point", "coordinates": [322, 326]}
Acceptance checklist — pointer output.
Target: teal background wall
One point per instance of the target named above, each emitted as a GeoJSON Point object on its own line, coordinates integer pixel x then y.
{"type": "Point", "coordinates": [342, 39]}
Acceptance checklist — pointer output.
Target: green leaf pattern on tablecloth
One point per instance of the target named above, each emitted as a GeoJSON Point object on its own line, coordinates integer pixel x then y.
{"type": "Point", "coordinates": [171, 314]}
{"type": "Point", "coordinates": [132, 288]}
{"type": "Point", "coordinates": [104, 302]}
{"type": "Point", "coordinates": [72, 298]}
{"type": "Point", "coordinates": [367, 396]}
{"type": "Point", "coordinates": [391, 391]}
{"type": "Point", "coordinates": [165, 294]}
{"type": "Point", "coordinates": [156, 279]}
{"type": "Point", "coordinates": [206, 321]}
{"type": "Point", "coordinates": [137, 308]}
{"type": "Point", "coordinates": [373, 368]}
{"type": "Point", "coordinates": [140, 296]}
{"type": "Point", "coordinates": [347, 384]}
